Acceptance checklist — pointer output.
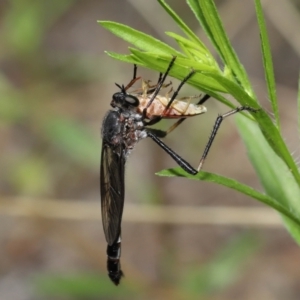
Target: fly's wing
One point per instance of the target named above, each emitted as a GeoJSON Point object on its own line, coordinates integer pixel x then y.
{"type": "Point", "coordinates": [112, 191]}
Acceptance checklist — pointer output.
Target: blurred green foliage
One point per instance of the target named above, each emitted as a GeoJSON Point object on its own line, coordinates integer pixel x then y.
{"type": "Point", "coordinates": [195, 282]}
{"type": "Point", "coordinates": [38, 131]}
{"type": "Point", "coordinates": [26, 23]}
{"type": "Point", "coordinates": [82, 286]}
{"type": "Point", "coordinates": [223, 270]}
{"type": "Point", "coordinates": [44, 143]}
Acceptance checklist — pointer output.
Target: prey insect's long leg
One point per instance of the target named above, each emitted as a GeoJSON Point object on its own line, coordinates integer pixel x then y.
{"type": "Point", "coordinates": [216, 127]}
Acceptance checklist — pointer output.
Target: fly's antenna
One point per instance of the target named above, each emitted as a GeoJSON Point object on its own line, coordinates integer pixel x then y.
{"type": "Point", "coordinates": [121, 87]}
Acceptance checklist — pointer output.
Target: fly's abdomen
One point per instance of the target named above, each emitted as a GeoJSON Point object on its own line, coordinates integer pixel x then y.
{"type": "Point", "coordinates": [113, 261]}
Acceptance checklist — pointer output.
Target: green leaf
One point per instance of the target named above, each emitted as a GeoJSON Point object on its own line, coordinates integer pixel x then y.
{"type": "Point", "coordinates": [136, 60]}
{"type": "Point", "coordinates": [267, 61]}
{"type": "Point", "coordinates": [234, 89]}
{"type": "Point", "coordinates": [275, 140]}
{"type": "Point", "coordinates": [182, 25]}
{"type": "Point", "coordinates": [230, 183]}
{"type": "Point", "coordinates": [298, 104]}
{"type": "Point", "coordinates": [273, 173]}
{"type": "Point", "coordinates": [180, 69]}
{"type": "Point", "coordinates": [196, 9]}
{"type": "Point", "coordinates": [207, 14]}
{"type": "Point", "coordinates": [203, 54]}
{"type": "Point", "coordinates": [267, 126]}
{"type": "Point", "coordinates": [139, 39]}
{"type": "Point", "coordinates": [126, 58]}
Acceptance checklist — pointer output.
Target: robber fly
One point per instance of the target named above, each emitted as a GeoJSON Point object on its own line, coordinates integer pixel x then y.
{"type": "Point", "coordinates": [123, 127]}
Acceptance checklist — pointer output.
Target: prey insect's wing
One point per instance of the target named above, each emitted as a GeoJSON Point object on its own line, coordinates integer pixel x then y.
{"type": "Point", "coordinates": [180, 108]}
{"type": "Point", "coordinates": [177, 110]}
{"type": "Point", "coordinates": [112, 190]}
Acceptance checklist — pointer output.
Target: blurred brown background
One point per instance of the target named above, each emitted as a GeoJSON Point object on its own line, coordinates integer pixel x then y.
{"type": "Point", "coordinates": [56, 84]}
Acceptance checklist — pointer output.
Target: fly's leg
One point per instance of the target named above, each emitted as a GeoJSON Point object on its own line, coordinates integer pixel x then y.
{"type": "Point", "coordinates": [134, 78]}
{"type": "Point", "coordinates": [156, 134]}
{"type": "Point", "coordinates": [216, 127]}
{"type": "Point", "coordinates": [158, 87]}
{"type": "Point", "coordinates": [153, 134]}
{"type": "Point", "coordinates": [176, 124]}
{"type": "Point", "coordinates": [175, 94]}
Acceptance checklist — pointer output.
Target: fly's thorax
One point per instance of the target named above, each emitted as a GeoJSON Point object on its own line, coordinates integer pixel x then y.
{"type": "Point", "coordinates": [121, 126]}
{"type": "Point", "coordinates": [134, 129]}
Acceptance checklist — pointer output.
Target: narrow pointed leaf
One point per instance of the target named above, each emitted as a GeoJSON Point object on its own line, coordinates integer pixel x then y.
{"type": "Point", "coordinates": [196, 9]}
{"type": "Point", "coordinates": [181, 24]}
{"type": "Point", "coordinates": [230, 183]}
{"type": "Point", "coordinates": [160, 63]}
{"type": "Point", "coordinates": [126, 58]}
{"type": "Point", "coordinates": [139, 39]}
{"type": "Point", "coordinates": [273, 173]}
{"type": "Point", "coordinates": [270, 131]}
{"type": "Point", "coordinates": [206, 11]}
{"type": "Point", "coordinates": [267, 61]}
{"type": "Point", "coordinates": [298, 105]}
{"type": "Point", "coordinates": [187, 42]}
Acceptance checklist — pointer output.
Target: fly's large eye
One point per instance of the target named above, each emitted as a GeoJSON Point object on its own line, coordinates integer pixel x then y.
{"type": "Point", "coordinates": [124, 100]}
{"type": "Point", "coordinates": [131, 100]}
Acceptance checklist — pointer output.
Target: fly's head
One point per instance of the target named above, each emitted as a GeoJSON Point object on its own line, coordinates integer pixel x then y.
{"type": "Point", "coordinates": [123, 100]}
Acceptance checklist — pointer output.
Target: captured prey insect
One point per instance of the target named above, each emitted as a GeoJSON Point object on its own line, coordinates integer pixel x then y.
{"type": "Point", "coordinates": [178, 109]}
{"type": "Point", "coordinates": [123, 127]}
